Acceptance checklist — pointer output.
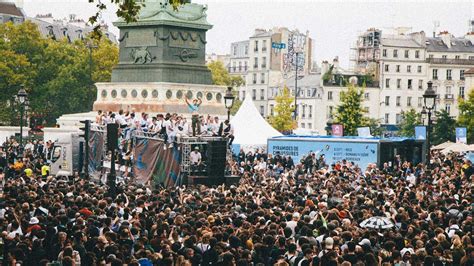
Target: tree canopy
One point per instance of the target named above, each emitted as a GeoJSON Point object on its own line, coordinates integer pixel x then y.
{"type": "Point", "coordinates": [350, 113]}
{"type": "Point", "coordinates": [410, 119]}
{"type": "Point", "coordinates": [50, 69]}
{"type": "Point", "coordinates": [466, 116]}
{"type": "Point", "coordinates": [444, 129]}
{"type": "Point", "coordinates": [282, 120]}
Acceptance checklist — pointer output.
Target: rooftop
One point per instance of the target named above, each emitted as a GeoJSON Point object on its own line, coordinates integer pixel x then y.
{"type": "Point", "coordinates": [457, 45]}
{"type": "Point", "coordinates": [10, 9]}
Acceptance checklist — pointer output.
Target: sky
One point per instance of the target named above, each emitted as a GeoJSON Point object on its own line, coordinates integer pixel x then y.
{"type": "Point", "coordinates": [333, 25]}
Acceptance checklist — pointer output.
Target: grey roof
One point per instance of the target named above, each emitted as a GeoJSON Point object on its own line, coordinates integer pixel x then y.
{"type": "Point", "coordinates": [59, 30]}
{"type": "Point", "coordinates": [10, 9]}
{"type": "Point", "coordinates": [457, 45]}
{"type": "Point", "coordinates": [311, 80]}
{"type": "Point", "coordinates": [400, 42]}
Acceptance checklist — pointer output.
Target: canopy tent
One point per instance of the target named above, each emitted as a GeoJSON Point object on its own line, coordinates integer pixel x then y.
{"type": "Point", "coordinates": [457, 147]}
{"type": "Point", "coordinates": [250, 129]}
{"type": "Point", "coordinates": [442, 146]}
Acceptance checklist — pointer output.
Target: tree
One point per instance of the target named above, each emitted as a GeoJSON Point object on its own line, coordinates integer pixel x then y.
{"type": "Point", "coordinates": [350, 113]}
{"type": "Point", "coordinates": [220, 76]}
{"type": "Point", "coordinates": [54, 72]}
{"type": "Point", "coordinates": [282, 120]}
{"type": "Point", "coordinates": [466, 117]}
{"type": "Point", "coordinates": [409, 121]}
{"type": "Point", "coordinates": [375, 128]}
{"type": "Point", "coordinates": [444, 129]}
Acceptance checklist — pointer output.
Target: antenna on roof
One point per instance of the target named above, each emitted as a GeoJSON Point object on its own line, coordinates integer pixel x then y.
{"type": "Point", "coordinates": [435, 27]}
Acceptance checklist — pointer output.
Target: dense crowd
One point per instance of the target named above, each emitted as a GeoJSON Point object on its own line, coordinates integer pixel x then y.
{"type": "Point", "coordinates": [281, 213]}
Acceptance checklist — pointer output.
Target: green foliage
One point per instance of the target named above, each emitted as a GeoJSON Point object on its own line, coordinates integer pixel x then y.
{"type": "Point", "coordinates": [410, 120]}
{"type": "Point", "coordinates": [466, 117]}
{"type": "Point", "coordinates": [328, 75]}
{"type": "Point", "coordinates": [282, 120]}
{"type": "Point", "coordinates": [374, 125]}
{"type": "Point", "coordinates": [220, 76]}
{"type": "Point", "coordinates": [55, 73]}
{"type": "Point", "coordinates": [350, 112]}
{"type": "Point", "coordinates": [444, 129]}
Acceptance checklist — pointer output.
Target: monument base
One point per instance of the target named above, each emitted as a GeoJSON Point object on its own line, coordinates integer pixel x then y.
{"type": "Point", "coordinates": [159, 97]}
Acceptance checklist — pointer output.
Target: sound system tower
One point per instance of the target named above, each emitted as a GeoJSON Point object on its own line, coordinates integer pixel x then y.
{"type": "Point", "coordinates": [216, 161]}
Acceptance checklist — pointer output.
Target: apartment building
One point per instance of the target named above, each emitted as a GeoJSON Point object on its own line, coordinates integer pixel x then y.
{"type": "Point", "coordinates": [404, 62]}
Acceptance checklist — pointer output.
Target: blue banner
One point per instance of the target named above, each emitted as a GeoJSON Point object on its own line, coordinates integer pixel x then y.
{"type": "Point", "coordinates": [360, 153]}
{"type": "Point", "coordinates": [461, 135]}
{"type": "Point", "coordinates": [420, 132]}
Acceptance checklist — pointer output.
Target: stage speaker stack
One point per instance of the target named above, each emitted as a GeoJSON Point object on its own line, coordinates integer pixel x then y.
{"type": "Point", "coordinates": [216, 161]}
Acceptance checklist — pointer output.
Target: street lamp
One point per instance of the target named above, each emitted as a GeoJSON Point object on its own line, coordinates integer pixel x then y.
{"type": "Point", "coordinates": [229, 101]}
{"type": "Point", "coordinates": [423, 116]}
{"type": "Point", "coordinates": [329, 126]}
{"type": "Point", "coordinates": [430, 102]}
{"type": "Point", "coordinates": [21, 96]}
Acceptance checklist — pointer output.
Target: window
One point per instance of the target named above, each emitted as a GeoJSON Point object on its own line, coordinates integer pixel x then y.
{"type": "Point", "coordinates": [310, 125]}
{"type": "Point", "coordinates": [329, 95]}
{"type": "Point", "coordinates": [448, 90]}
{"type": "Point", "coordinates": [304, 111]}
{"type": "Point", "coordinates": [271, 110]}
{"type": "Point", "coordinates": [255, 63]}
{"type": "Point", "coordinates": [457, 57]}
{"type": "Point", "coordinates": [461, 92]}
{"type": "Point", "coordinates": [254, 94]}
{"type": "Point", "coordinates": [264, 45]}
{"type": "Point", "coordinates": [398, 68]}
{"type": "Point", "coordinates": [240, 66]}
{"type": "Point", "coordinates": [246, 49]}
{"type": "Point", "coordinates": [399, 98]}
{"type": "Point", "coordinates": [410, 84]}
{"type": "Point", "coordinates": [419, 69]}
{"type": "Point", "coordinates": [262, 94]}
{"type": "Point", "coordinates": [234, 48]}
{"type": "Point", "coordinates": [245, 66]}
{"type": "Point", "coordinates": [448, 74]}
{"type": "Point", "coordinates": [395, 53]}
{"type": "Point", "coordinates": [420, 101]}
{"type": "Point", "coordinates": [399, 83]}
{"type": "Point", "coordinates": [408, 69]}
{"type": "Point", "coordinates": [408, 101]}
{"type": "Point", "coordinates": [471, 57]}
{"type": "Point", "coordinates": [254, 81]}
{"type": "Point", "coordinates": [448, 108]}
{"type": "Point", "coordinates": [387, 83]}
{"type": "Point", "coordinates": [461, 74]}
{"type": "Point", "coordinates": [387, 100]}
{"type": "Point", "coordinates": [264, 62]}
{"type": "Point", "coordinates": [308, 93]}
{"type": "Point", "coordinates": [310, 111]}
{"type": "Point", "coordinates": [417, 54]}
{"type": "Point", "coordinates": [256, 46]}
{"type": "Point", "coordinates": [387, 116]}
{"type": "Point", "coordinates": [233, 66]}
{"type": "Point", "coordinates": [302, 125]}
{"type": "Point", "coordinates": [420, 84]}
{"type": "Point", "coordinates": [435, 74]}
{"type": "Point", "coordinates": [262, 110]}
{"type": "Point", "coordinates": [330, 110]}
{"type": "Point", "coordinates": [366, 96]}
{"type": "Point", "coordinates": [262, 78]}
{"type": "Point", "coordinates": [407, 53]}
{"type": "Point", "coordinates": [243, 95]}
{"type": "Point", "coordinates": [431, 56]}
{"type": "Point", "coordinates": [398, 118]}
{"type": "Point", "coordinates": [444, 56]}
{"type": "Point", "coordinates": [386, 68]}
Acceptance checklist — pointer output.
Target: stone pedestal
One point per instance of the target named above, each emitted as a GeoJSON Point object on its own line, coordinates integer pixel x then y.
{"type": "Point", "coordinates": [159, 97]}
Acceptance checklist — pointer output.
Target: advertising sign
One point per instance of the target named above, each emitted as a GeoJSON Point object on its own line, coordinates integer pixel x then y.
{"type": "Point", "coordinates": [461, 135]}
{"type": "Point", "coordinates": [420, 132]}
{"type": "Point", "coordinates": [337, 130]}
{"type": "Point", "coordinates": [361, 153]}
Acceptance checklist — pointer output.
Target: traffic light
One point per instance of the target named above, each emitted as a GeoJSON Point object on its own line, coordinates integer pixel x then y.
{"type": "Point", "coordinates": [86, 130]}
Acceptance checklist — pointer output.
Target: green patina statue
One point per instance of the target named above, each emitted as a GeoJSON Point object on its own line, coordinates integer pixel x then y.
{"type": "Point", "coordinates": [164, 45]}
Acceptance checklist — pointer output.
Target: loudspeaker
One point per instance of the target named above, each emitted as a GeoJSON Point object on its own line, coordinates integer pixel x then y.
{"type": "Point", "coordinates": [216, 158]}
{"type": "Point", "coordinates": [112, 136]}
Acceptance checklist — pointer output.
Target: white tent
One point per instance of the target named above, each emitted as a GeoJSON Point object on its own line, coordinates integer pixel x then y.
{"type": "Point", "coordinates": [442, 146]}
{"type": "Point", "coordinates": [250, 129]}
{"type": "Point", "coordinates": [457, 147]}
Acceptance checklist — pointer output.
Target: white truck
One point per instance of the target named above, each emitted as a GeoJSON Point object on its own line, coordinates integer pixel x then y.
{"type": "Point", "coordinates": [66, 157]}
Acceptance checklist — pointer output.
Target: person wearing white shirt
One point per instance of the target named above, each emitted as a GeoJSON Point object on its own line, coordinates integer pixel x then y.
{"type": "Point", "coordinates": [196, 159]}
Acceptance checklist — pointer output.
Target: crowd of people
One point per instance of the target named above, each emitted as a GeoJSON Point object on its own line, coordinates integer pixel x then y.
{"type": "Point", "coordinates": [282, 212]}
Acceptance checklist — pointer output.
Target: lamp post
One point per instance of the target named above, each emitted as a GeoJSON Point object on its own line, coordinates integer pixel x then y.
{"type": "Point", "coordinates": [329, 126]}
{"type": "Point", "coordinates": [423, 116]}
{"type": "Point", "coordinates": [21, 96]}
{"type": "Point", "coordinates": [229, 101]}
{"type": "Point", "coordinates": [430, 102]}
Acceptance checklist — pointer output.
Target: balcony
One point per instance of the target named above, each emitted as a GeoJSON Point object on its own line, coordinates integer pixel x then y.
{"type": "Point", "coordinates": [449, 97]}
{"type": "Point", "coordinates": [446, 61]}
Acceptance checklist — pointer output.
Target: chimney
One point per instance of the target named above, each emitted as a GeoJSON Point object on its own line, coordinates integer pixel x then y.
{"type": "Point", "coordinates": [259, 31]}
{"type": "Point", "coordinates": [335, 62]}
{"type": "Point", "coordinates": [324, 67]}
{"type": "Point", "coordinates": [446, 38]}
{"type": "Point", "coordinates": [419, 37]}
